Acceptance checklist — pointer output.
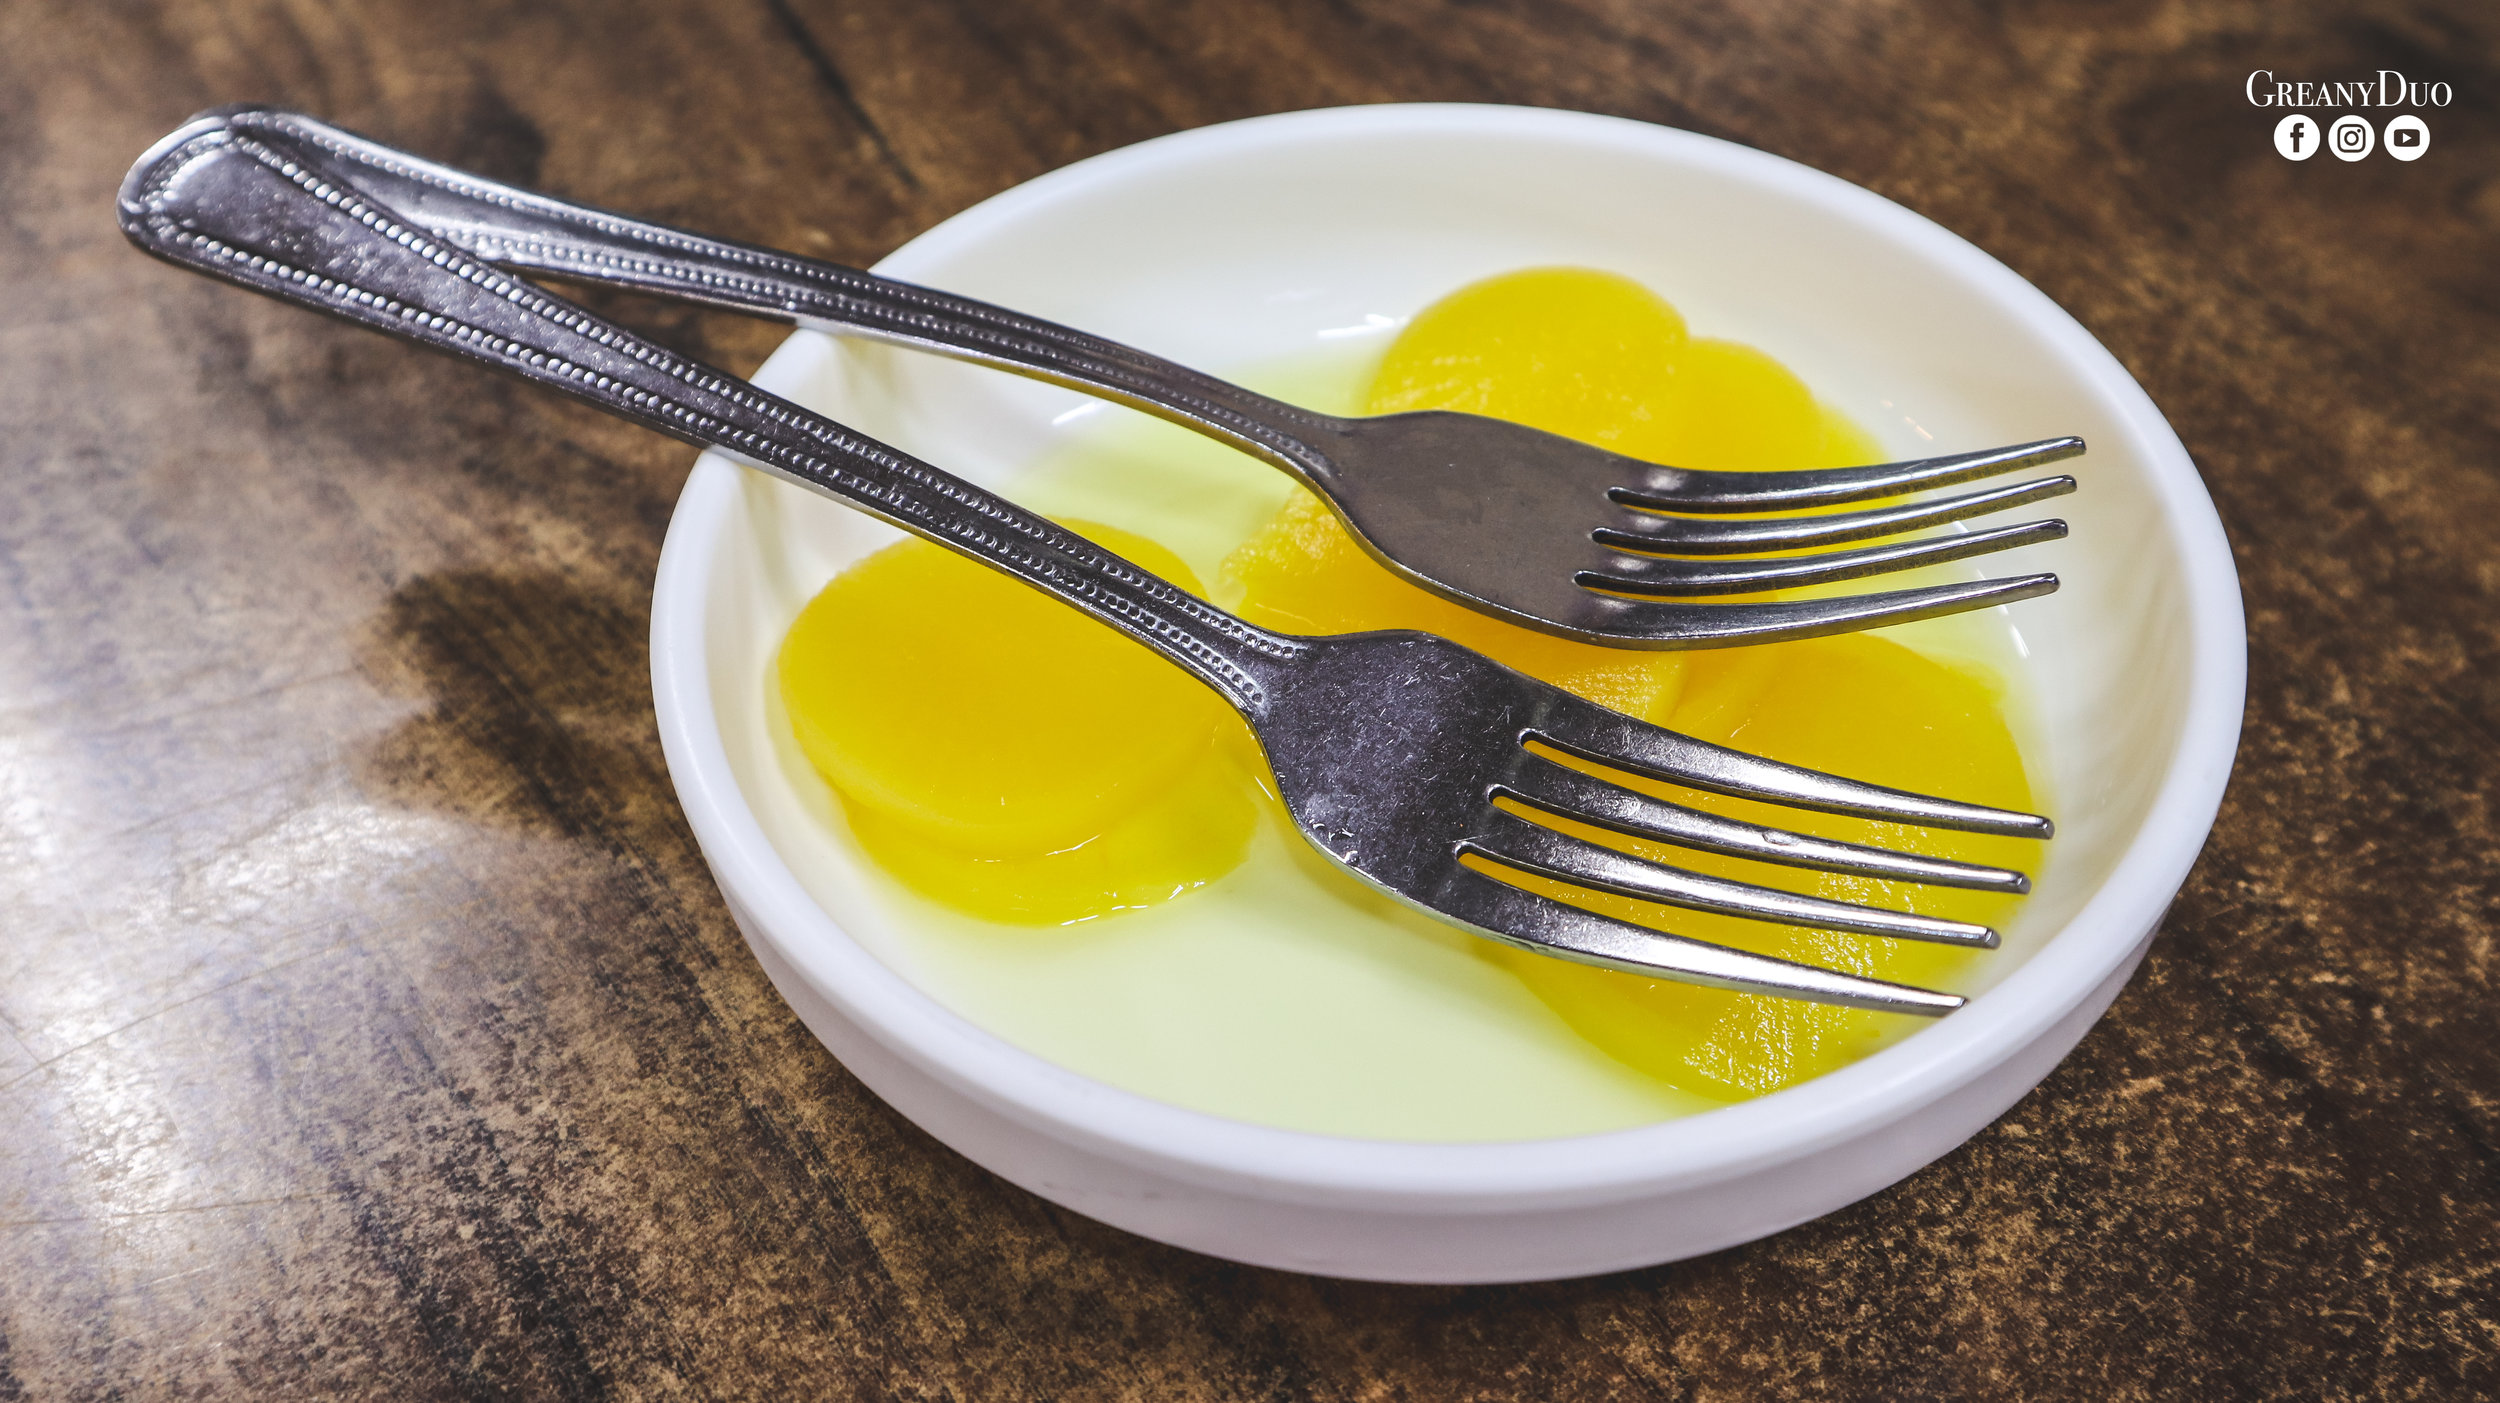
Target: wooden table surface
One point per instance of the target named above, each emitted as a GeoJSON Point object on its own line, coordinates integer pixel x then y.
{"type": "Point", "coordinates": [370, 1028]}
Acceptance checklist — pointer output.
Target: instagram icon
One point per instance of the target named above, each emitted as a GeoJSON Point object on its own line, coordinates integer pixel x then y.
{"type": "Point", "coordinates": [2351, 138]}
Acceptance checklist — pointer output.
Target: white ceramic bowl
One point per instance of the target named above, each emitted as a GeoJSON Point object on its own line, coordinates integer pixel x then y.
{"type": "Point", "coordinates": [1235, 243]}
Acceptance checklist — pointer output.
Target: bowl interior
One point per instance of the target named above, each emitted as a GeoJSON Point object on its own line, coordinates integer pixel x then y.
{"type": "Point", "coordinates": [1286, 237]}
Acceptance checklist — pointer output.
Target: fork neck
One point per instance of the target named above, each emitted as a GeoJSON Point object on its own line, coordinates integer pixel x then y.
{"type": "Point", "coordinates": [246, 207]}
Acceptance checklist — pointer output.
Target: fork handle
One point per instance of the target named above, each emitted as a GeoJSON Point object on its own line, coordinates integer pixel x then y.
{"type": "Point", "coordinates": [522, 229]}
{"type": "Point", "coordinates": [243, 205]}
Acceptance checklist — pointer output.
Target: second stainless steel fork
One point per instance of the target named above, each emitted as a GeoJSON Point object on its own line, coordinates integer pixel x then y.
{"type": "Point", "coordinates": [1528, 526]}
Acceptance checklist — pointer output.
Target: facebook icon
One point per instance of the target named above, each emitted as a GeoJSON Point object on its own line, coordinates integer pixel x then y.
{"type": "Point", "coordinates": [2296, 137]}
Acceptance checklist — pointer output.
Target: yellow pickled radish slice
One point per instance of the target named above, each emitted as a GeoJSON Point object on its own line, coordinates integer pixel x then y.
{"type": "Point", "coordinates": [1745, 411]}
{"type": "Point", "coordinates": [991, 742]}
{"type": "Point", "coordinates": [1572, 351]}
{"type": "Point", "coordinates": [1191, 833]}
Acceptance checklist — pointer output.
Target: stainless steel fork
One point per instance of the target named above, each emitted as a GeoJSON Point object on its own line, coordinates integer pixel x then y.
{"type": "Point", "coordinates": [1525, 525]}
{"type": "Point", "coordinates": [1389, 749]}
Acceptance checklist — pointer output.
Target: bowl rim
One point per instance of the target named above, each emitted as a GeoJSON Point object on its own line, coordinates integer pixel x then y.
{"type": "Point", "coordinates": [1706, 1147]}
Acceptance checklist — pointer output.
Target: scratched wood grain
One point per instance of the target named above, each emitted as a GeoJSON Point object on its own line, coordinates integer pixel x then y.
{"type": "Point", "coordinates": [370, 1029]}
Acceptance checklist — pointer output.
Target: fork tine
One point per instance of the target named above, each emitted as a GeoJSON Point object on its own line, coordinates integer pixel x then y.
{"type": "Point", "coordinates": [1558, 790]}
{"type": "Point", "coordinates": [1595, 734]}
{"type": "Point", "coordinates": [1511, 841]}
{"type": "Point", "coordinates": [1689, 490]}
{"type": "Point", "coordinates": [1503, 912]}
{"type": "Point", "coordinates": [1638, 530]}
{"type": "Point", "coordinates": [1676, 624]}
{"type": "Point", "coordinates": [1649, 574]}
